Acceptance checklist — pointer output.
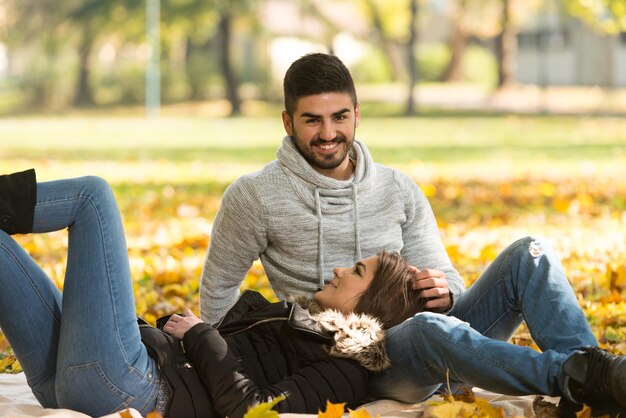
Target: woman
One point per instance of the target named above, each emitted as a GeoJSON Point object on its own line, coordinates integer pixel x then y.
{"type": "Point", "coordinates": [83, 349]}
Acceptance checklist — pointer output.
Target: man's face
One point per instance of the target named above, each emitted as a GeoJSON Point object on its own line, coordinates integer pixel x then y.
{"type": "Point", "coordinates": [323, 128]}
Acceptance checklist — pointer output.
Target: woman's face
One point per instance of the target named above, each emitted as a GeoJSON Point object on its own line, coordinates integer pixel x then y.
{"type": "Point", "coordinates": [347, 285]}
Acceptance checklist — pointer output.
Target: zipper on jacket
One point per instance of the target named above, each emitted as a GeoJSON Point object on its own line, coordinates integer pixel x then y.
{"type": "Point", "coordinates": [275, 319]}
{"type": "Point", "coordinates": [186, 365]}
{"type": "Point", "coordinates": [261, 322]}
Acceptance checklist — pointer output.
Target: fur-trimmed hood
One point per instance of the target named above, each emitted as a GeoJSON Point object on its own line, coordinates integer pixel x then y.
{"type": "Point", "coordinates": [357, 336]}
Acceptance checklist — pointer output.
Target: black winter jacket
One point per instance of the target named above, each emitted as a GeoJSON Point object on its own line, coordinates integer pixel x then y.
{"type": "Point", "coordinates": [262, 350]}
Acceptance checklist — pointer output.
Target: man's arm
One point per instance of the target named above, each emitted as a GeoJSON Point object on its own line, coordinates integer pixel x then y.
{"type": "Point", "coordinates": [440, 281]}
{"type": "Point", "coordinates": [237, 239]}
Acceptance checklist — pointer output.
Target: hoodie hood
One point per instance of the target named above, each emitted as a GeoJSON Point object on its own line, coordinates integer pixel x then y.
{"type": "Point", "coordinates": [294, 165]}
{"type": "Point", "coordinates": [359, 337]}
{"type": "Point", "coordinates": [325, 195]}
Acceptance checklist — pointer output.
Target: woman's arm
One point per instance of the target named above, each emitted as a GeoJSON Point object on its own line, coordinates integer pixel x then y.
{"type": "Point", "coordinates": [233, 392]}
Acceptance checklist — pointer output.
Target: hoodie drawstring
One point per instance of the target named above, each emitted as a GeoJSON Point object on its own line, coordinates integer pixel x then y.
{"type": "Point", "coordinates": [320, 237]}
{"type": "Point", "coordinates": [320, 231]}
{"type": "Point", "coordinates": [357, 238]}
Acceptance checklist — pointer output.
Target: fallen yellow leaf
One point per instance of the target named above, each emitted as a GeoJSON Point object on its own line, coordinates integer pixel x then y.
{"type": "Point", "coordinates": [451, 410]}
{"type": "Point", "coordinates": [9, 364]}
{"type": "Point", "coordinates": [333, 410]}
{"type": "Point", "coordinates": [360, 413]}
{"type": "Point", "coordinates": [584, 413]}
{"type": "Point", "coordinates": [264, 410]}
{"type": "Point", "coordinates": [125, 414]}
{"type": "Point", "coordinates": [463, 405]}
{"type": "Point", "coordinates": [488, 410]}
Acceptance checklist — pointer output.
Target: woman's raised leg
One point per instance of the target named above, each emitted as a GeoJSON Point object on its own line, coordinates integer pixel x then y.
{"type": "Point", "coordinates": [30, 304]}
{"type": "Point", "coordinates": [102, 365]}
{"type": "Point", "coordinates": [81, 350]}
{"type": "Point", "coordinates": [30, 317]}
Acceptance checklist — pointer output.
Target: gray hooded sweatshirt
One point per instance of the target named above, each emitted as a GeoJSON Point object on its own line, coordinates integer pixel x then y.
{"type": "Point", "coordinates": [302, 224]}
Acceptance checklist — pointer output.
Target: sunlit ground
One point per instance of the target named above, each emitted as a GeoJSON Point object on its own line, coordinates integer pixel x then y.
{"type": "Point", "coordinates": [490, 179]}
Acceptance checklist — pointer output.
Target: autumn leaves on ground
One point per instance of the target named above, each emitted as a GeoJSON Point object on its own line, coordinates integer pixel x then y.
{"type": "Point", "coordinates": [490, 181]}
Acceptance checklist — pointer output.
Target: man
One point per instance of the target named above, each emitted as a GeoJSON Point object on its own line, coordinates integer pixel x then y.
{"type": "Point", "coordinates": [325, 203]}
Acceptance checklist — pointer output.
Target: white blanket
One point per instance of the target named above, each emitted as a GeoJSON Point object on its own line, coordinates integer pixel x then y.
{"type": "Point", "coordinates": [17, 401]}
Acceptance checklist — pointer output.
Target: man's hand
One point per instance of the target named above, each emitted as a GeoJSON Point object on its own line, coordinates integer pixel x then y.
{"type": "Point", "coordinates": [178, 325]}
{"type": "Point", "coordinates": [433, 286]}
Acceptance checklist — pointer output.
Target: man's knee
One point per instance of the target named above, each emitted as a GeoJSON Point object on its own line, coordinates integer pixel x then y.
{"type": "Point", "coordinates": [423, 328]}
{"type": "Point", "coordinates": [533, 259]}
{"type": "Point", "coordinates": [531, 249]}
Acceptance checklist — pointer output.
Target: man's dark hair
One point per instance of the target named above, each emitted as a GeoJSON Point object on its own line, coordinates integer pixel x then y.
{"type": "Point", "coordinates": [315, 74]}
{"type": "Point", "coordinates": [390, 297]}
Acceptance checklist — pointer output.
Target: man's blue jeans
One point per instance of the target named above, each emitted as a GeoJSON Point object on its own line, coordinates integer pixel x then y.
{"type": "Point", "coordinates": [81, 349]}
{"type": "Point", "coordinates": [526, 282]}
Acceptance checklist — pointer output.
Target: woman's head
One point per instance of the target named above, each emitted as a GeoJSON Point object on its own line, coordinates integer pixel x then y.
{"type": "Point", "coordinates": [379, 286]}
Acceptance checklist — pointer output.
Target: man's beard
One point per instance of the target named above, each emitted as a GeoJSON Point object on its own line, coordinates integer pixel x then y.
{"type": "Point", "coordinates": [324, 162]}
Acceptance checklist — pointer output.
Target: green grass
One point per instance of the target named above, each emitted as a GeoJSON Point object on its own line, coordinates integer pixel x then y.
{"type": "Point", "coordinates": [437, 139]}
{"type": "Point", "coordinates": [200, 157]}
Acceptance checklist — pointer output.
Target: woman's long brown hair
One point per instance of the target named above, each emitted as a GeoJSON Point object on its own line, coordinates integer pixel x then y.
{"type": "Point", "coordinates": [390, 297]}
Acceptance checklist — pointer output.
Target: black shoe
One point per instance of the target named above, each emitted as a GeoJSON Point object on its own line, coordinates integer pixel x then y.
{"type": "Point", "coordinates": [598, 379]}
{"type": "Point", "coordinates": [18, 192]}
{"type": "Point", "coordinates": [568, 409]}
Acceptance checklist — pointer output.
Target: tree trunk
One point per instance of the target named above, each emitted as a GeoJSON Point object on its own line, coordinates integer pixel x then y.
{"type": "Point", "coordinates": [195, 78]}
{"type": "Point", "coordinates": [506, 48]}
{"type": "Point", "coordinates": [458, 45]}
{"type": "Point", "coordinates": [411, 62]}
{"type": "Point", "coordinates": [83, 95]}
{"type": "Point", "coordinates": [386, 45]}
{"type": "Point", "coordinates": [230, 81]}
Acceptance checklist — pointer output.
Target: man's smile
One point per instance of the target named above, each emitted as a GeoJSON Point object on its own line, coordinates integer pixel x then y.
{"type": "Point", "coordinates": [327, 147]}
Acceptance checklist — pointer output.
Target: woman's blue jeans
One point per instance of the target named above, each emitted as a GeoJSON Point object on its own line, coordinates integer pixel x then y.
{"type": "Point", "coordinates": [526, 282]}
{"type": "Point", "coordinates": [81, 349]}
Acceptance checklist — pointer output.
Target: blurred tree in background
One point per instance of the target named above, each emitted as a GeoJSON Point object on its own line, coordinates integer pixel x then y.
{"type": "Point", "coordinates": [52, 44]}
{"type": "Point", "coordinates": [608, 16]}
{"type": "Point", "coordinates": [85, 53]}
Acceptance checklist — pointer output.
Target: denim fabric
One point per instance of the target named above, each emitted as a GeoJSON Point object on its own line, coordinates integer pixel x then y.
{"type": "Point", "coordinates": [81, 349]}
{"type": "Point", "coordinates": [526, 282]}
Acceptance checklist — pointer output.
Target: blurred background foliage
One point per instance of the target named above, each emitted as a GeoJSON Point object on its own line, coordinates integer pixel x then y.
{"type": "Point", "coordinates": [92, 53]}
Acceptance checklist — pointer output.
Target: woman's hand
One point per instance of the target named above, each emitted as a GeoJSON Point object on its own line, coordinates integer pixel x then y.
{"type": "Point", "coordinates": [433, 287]}
{"type": "Point", "coordinates": [178, 325]}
